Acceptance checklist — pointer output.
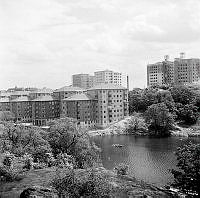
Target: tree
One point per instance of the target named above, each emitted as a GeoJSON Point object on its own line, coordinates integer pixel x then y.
{"type": "Point", "coordinates": [159, 119]}
{"type": "Point", "coordinates": [18, 139]}
{"type": "Point", "coordinates": [187, 177]}
{"type": "Point", "coordinates": [6, 116]}
{"type": "Point", "coordinates": [187, 113]}
{"type": "Point", "coordinates": [66, 137]}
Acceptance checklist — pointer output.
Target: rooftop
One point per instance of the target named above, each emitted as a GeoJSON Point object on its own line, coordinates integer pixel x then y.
{"type": "Point", "coordinates": [21, 99]}
{"type": "Point", "coordinates": [107, 86]}
{"type": "Point", "coordinates": [6, 99]}
{"type": "Point", "coordinates": [78, 97]}
{"type": "Point", "coordinates": [69, 88]}
{"type": "Point", "coordinates": [44, 90]}
{"type": "Point", "coordinates": [44, 98]}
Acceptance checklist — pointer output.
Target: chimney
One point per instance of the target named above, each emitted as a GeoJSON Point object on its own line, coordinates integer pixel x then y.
{"type": "Point", "coordinates": [127, 81]}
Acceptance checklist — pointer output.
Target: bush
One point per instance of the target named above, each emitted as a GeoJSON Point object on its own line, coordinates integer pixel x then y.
{"type": "Point", "coordinates": [121, 169]}
{"type": "Point", "coordinates": [8, 174]}
{"type": "Point", "coordinates": [90, 185]}
{"type": "Point", "coordinates": [187, 178]}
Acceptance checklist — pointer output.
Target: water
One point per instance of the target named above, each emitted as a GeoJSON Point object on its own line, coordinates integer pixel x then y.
{"type": "Point", "coordinates": [149, 159]}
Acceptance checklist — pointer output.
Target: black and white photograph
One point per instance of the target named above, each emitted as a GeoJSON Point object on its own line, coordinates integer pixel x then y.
{"type": "Point", "coordinates": [99, 98]}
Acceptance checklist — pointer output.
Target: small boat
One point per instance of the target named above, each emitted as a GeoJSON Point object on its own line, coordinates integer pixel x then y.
{"type": "Point", "coordinates": [118, 145]}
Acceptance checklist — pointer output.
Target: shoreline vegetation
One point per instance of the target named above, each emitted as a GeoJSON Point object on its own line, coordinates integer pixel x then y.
{"type": "Point", "coordinates": [120, 128]}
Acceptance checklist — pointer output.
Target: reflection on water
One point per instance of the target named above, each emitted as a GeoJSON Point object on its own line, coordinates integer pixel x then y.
{"type": "Point", "coordinates": [149, 159]}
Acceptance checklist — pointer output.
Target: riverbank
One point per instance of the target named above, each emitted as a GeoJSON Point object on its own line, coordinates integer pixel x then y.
{"type": "Point", "coordinates": [120, 128]}
{"type": "Point", "coordinates": [37, 182]}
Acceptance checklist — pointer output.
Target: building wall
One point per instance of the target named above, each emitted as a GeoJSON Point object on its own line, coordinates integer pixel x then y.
{"type": "Point", "coordinates": [112, 105]}
{"type": "Point", "coordinates": [5, 106]}
{"type": "Point", "coordinates": [43, 111]}
{"type": "Point", "coordinates": [84, 81]}
{"type": "Point", "coordinates": [83, 111]}
{"type": "Point", "coordinates": [108, 77]}
{"type": "Point", "coordinates": [22, 111]}
{"type": "Point", "coordinates": [186, 71]}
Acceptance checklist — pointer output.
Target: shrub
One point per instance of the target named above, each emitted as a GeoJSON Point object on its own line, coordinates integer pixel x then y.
{"type": "Point", "coordinates": [90, 185]}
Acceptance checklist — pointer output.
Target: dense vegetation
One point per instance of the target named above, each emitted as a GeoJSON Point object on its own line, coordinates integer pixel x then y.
{"type": "Point", "coordinates": [187, 178]}
{"type": "Point", "coordinates": [162, 106]}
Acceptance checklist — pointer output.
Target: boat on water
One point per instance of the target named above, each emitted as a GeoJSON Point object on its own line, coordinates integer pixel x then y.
{"type": "Point", "coordinates": [118, 145]}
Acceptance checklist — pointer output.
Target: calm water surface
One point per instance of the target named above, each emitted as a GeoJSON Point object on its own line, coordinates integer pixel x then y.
{"type": "Point", "coordinates": [149, 159]}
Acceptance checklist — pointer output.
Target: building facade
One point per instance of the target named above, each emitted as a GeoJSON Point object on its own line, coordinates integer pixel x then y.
{"type": "Point", "coordinates": [160, 73]}
{"type": "Point", "coordinates": [5, 104]}
{"type": "Point", "coordinates": [108, 76]}
{"type": "Point", "coordinates": [186, 71]}
{"type": "Point", "coordinates": [82, 107]}
{"type": "Point", "coordinates": [21, 107]}
{"type": "Point", "coordinates": [84, 81]}
{"type": "Point", "coordinates": [40, 92]}
{"type": "Point", "coordinates": [44, 109]}
{"type": "Point", "coordinates": [112, 103]}
{"type": "Point", "coordinates": [67, 91]}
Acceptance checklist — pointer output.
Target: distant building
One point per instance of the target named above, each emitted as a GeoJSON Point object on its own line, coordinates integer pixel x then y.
{"type": "Point", "coordinates": [44, 109]}
{"type": "Point", "coordinates": [4, 104]}
{"type": "Point", "coordinates": [108, 76]}
{"type": "Point", "coordinates": [186, 71]}
{"type": "Point", "coordinates": [82, 107]}
{"type": "Point", "coordinates": [112, 103]}
{"type": "Point", "coordinates": [160, 73]}
{"type": "Point", "coordinates": [17, 94]}
{"type": "Point", "coordinates": [21, 107]}
{"type": "Point", "coordinates": [67, 91]}
{"type": "Point", "coordinates": [40, 92]}
{"type": "Point", "coordinates": [84, 81]}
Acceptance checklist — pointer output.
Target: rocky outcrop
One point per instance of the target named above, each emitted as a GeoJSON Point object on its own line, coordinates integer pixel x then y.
{"type": "Point", "coordinates": [39, 192]}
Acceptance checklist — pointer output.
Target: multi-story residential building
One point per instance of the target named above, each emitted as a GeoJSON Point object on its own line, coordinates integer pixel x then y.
{"type": "Point", "coordinates": [160, 73]}
{"type": "Point", "coordinates": [67, 91]}
{"type": "Point", "coordinates": [45, 108]}
{"type": "Point", "coordinates": [186, 71]}
{"type": "Point", "coordinates": [84, 81]}
{"type": "Point", "coordinates": [40, 92]}
{"type": "Point", "coordinates": [21, 107]}
{"type": "Point", "coordinates": [112, 103]}
{"type": "Point", "coordinates": [4, 104]}
{"type": "Point", "coordinates": [82, 107]}
{"type": "Point", "coordinates": [108, 76]}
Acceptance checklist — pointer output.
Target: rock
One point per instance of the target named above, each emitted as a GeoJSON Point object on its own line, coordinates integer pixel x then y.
{"type": "Point", "coordinates": [39, 192]}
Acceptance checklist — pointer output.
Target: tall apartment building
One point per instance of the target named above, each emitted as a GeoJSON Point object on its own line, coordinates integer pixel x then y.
{"type": "Point", "coordinates": [112, 103]}
{"type": "Point", "coordinates": [108, 76]}
{"type": "Point", "coordinates": [160, 73]}
{"type": "Point", "coordinates": [84, 81]}
{"type": "Point", "coordinates": [186, 71]}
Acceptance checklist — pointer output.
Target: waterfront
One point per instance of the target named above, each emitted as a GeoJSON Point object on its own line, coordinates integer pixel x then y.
{"type": "Point", "coordinates": [149, 159]}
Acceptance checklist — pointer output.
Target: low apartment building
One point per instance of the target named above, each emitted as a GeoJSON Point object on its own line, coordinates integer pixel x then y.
{"type": "Point", "coordinates": [4, 104]}
{"type": "Point", "coordinates": [44, 109]}
{"type": "Point", "coordinates": [82, 107]}
{"type": "Point", "coordinates": [40, 92]}
{"type": "Point", "coordinates": [21, 107]}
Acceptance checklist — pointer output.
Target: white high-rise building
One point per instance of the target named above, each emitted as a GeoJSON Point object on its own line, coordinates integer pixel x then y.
{"type": "Point", "coordinates": [108, 76]}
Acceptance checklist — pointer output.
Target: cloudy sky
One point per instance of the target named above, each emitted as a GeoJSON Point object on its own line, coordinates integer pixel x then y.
{"type": "Point", "coordinates": [44, 42]}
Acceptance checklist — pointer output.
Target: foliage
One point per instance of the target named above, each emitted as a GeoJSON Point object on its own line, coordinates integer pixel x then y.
{"type": "Point", "coordinates": [91, 185]}
{"type": "Point", "coordinates": [66, 137]}
{"type": "Point", "coordinates": [187, 113]}
{"type": "Point", "coordinates": [18, 139]}
{"type": "Point", "coordinates": [187, 177]}
{"type": "Point", "coordinates": [6, 116]}
{"type": "Point", "coordinates": [121, 169]}
{"type": "Point", "coordinates": [159, 119]}
{"type": "Point", "coordinates": [136, 124]}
